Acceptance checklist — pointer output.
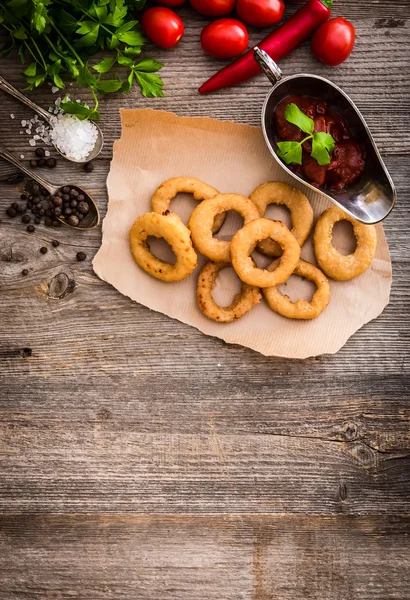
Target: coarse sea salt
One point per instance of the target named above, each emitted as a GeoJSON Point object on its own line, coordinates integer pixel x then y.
{"type": "Point", "coordinates": [74, 138]}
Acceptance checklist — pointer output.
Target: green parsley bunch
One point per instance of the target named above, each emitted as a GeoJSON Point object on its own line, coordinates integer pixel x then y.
{"type": "Point", "coordinates": [56, 38]}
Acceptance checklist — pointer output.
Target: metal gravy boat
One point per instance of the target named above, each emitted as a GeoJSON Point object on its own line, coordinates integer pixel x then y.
{"type": "Point", "coordinates": [369, 199]}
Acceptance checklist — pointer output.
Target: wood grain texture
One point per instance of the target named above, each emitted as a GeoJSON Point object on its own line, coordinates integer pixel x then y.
{"type": "Point", "coordinates": [141, 459]}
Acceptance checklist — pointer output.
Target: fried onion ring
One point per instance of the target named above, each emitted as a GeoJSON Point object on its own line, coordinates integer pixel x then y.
{"type": "Point", "coordinates": [171, 228]}
{"type": "Point", "coordinates": [336, 265]}
{"type": "Point", "coordinates": [242, 303]}
{"type": "Point", "coordinates": [161, 200]}
{"type": "Point", "coordinates": [203, 217]}
{"type": "Point", "coordinates": [301, 309]}
{"type": "Point", "coordinates": [301, 212]}
{"type": "Point", "coordinates": [244, 242]}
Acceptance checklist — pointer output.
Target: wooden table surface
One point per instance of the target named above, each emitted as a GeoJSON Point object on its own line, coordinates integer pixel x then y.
{"type": "Point", "coordinates": [140, 459]}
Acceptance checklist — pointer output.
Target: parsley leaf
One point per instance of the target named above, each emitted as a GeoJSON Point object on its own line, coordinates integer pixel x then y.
{"type": "Point", "coordinates": [105, 65]}
{"type": "Point", "coordinates": [294, 115]}
{"type": "Point", "coordinates": [322, 145]}
{"type": "Point", "coordinates": [290, 152]}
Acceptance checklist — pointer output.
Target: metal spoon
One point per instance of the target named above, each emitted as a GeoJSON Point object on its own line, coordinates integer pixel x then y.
{"type": "Point", "coordinates": [90, 221]}
{"type": "Point", "coordinates": [369, 199]}
{"type": "Point", "coordinates": [7, 87]}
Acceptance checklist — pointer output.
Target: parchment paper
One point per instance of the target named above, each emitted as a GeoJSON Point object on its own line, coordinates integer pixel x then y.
{"type": "Point", "coordinates": [156, 145]}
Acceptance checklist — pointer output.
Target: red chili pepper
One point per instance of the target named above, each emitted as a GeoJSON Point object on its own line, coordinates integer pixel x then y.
{"type": "Point", "coordinates": [278, 44]}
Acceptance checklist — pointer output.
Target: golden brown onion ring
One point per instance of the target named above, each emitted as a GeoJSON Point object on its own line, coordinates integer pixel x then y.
{"type": "Point", "coordinates": [301, 309]}
{"type": "Point", "coordinates": [161, 200]}
{"type": "Point", "coordinates": [336, 265]}
{"type": "Point", "coordinates": [171, 228]}
{"type": "Point", "coordinates": [203, 217]}
{"type": "Point", "coordinates": [301, 212]}
{"type": "Point", "coordinates": [242, 303]}
{"type": "Point", "coordinates": [244, 242]}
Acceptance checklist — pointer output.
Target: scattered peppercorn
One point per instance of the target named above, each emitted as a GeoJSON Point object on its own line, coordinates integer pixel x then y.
{"type": "Point", "coordinates": [43, 250]}
{"type": "Point", "coordinates": [51, 162]}
{"type": "Point", "coordinates": [35, 188]}
{"type": "Point", "coordinates": [48, 221]}
{"type": "Point", "coordinates": [33, 163]}
{"type": "Point", "coordinates": [40, 152]}
{"type": "Point", "coordinates": [23, 196]}
{"type": "Point", "coordinates": [26, 219]}
{"type": "Point", "coordinates": [89, 167]}
{"type": "Point", "coordinates": [24, 272]}
{"type": "Point", "coordinates": [41, 162]}
{"type": "Point", "coordinates": [10, 212]}
{"type": "Point", "coordinates": [31, 228]}
{"type": "Point", "coordinates": [81, 256]}
{"type": "Point", "coordinates": [55, 243]}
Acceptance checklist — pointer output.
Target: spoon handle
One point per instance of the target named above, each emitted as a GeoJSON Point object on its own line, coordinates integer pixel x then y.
{"type": "Point", "coordinates": [52, 189]}
{"type": "Point", "coordinates": [268, 65]}
{"type": "Point", "coordinates": [7, 87]}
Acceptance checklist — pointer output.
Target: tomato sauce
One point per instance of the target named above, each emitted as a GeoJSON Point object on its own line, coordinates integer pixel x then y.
{"type": "Point", "coordinates": [347, 161]}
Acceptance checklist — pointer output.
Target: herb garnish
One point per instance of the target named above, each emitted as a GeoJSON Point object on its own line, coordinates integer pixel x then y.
{"type": "Point", "coordinates": [322, 143]}
{"type": "Point", "coordinates": [56, 38]}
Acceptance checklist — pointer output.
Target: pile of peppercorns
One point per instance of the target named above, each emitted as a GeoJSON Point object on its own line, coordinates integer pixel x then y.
{"type": "Point", "coordinates": [71, 204]}
{"type": "Point", "coordinates": [36, 200]}
{"type": "Point", "coordinates": [42, 160]}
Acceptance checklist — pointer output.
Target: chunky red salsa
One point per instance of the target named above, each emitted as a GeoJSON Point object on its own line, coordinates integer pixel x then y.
{"type": "Point", "coordinates": [347, 159]}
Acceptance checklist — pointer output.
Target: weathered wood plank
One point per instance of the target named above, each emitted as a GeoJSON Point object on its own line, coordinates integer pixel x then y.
{"type": "Point", "coordinates": [249, 557]}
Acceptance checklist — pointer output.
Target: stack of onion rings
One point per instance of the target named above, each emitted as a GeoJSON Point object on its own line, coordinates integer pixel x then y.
{"type": "Point", "coordinates": [244, 242]}
{"type": "Point", "coordinates": [161, 200]}
{"type": "Point", "coordinates": [171, 228]}
{"type": "Point", "coordinates": [248, 297]}
{"type": "Point", "coordinates": [301, 212]}
{"type": "Point", "coordinates": [301, 309]}
{"type": "Point", "coordinates": [202, 219]}
{"type": "Point", "coordinates": [336, 265]}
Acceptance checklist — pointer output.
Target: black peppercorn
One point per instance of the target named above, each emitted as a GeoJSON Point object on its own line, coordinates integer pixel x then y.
{"type": "Point", "coordinates": [65, 189]}
{"type": "Point", "coordinates": [81, 256]}
{"type": "Point", "coordinates": [51, 162]}
{"type": "Point", "coordinates": [55, 243]}
{"type": "Point", "coordinates": [10, 212]}
{"type": "Point", "coordinates": [66, 198]}
{"type": "Point", "coordinates": [56, 223]}
{"type": "Point", "coordinates": [48, 222]}
{"type": "Point", "coordinates": [33, 163]}
{"type": "Point", "coordinates": [73, 220]}
{"type": "Point", "coordinates": [41, 162]}
{"type": "Point", "coordinates": [89, 167]}
{"type": "Point", "coordinates": [73, 203]}
{"type": "Point", "coordinates": [31, 228]}
{"type": "Point", "coordinates": [24, 272]}
{"type": "Point", "coordinates": [26, 219]}
{"type": "Point", "coordinates": [74, 193]}
{"type": "Point", "coordinates": [68, 211]}
{"type": "Point", "coordinates": [35, 188]}
{"type": "Point", "coordinates": [37, 220]}
{"type": "Point", "coordinates": [15, 206]}
{"type": "Point", "coordinates": [81, 197]}
{"type": "Point", "coordinates": [83, 208]}
{"type": "Point", "coordinates": [23, 196]}
{"type": "Point", "coordinates": [43, 250]}
{"type": "Point", "coordinates": [49, 212]}
{"type": "Point", "coordinates": [58, 211]}
{"type": "Point", "coordinates": [57, 201]}
{"type": "Point", "coordinates": [40, 152]}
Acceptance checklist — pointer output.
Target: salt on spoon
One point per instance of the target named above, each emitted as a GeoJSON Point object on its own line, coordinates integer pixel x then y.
{"type": "Point", "coordinates": [58, 124]}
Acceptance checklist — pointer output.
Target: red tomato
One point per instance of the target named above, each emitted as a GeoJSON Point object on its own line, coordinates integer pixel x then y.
{"type": "Point", "coordinates": [260, 13]}
{"type": "Point", "coordinates": [224, 38]}
{"type": "Point", "coordinates": [162, 26]}
{"type": "Point", "coordinates": [171, 2]}
{"type": "Point", "coordinates": [213, 8]}
{"type": "Point", "coordinates": [333, 42]}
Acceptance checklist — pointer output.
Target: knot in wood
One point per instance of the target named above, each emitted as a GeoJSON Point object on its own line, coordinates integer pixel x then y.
{"type": "Point", "coordinates": [350, 431]}
{"type": "Point", "coordinates": [60, 286]}
{"type": "Point", "coordinates": [365, 456]}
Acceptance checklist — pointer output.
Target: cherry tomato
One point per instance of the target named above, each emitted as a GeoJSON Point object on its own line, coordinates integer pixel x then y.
{"type": "Point", "coordinates": [213, 8]}
{"type": "Point", "coordinates": [224, 38]}
{"type": "Point", "coordinates": [333, 42]}
{"type": "Point", "coordinates": [260, 13]}
{"type": "Point", "coordinates": [162, 26]}
{"type": "Point", "coordinates": [171, 2]}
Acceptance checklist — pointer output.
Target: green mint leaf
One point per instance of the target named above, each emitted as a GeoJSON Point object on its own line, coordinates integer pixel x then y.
{"type": "Point", "coordinates": [131, 38]}
{"type": "Point", "coordinates": [294, 115]}
{"type": "Point", "coordinates": [148, 65]}
{"type": "Point", "coordinates": [86, 27]}
{"type": "Point", "coordinates": [31, 70]}
{"type": "Point", "coordinates": [132, 50]}
{"type": "Point", "coordinates": [105, 65]}
{"type": "Point", "coordinates": [124, 60]}
{"type": "Point", "coordinates": [20, 33]}
{"type": "Point", "coordinates": [86, 78]}
{"type": "Point", "coordinates": [290, 152]}
{"type": "Point", "coordinates": [150, 84]}
{"type": "Point", "coordinates": [90, 38]}
{"type": "Point", "coordinates": [109, 86]}
{"type": "Point", "coordinates": [126, 27]}
{"type": "Point", "coordinates": [322, 145]}
{"type": "Point", "coordinates": [126, 86]}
